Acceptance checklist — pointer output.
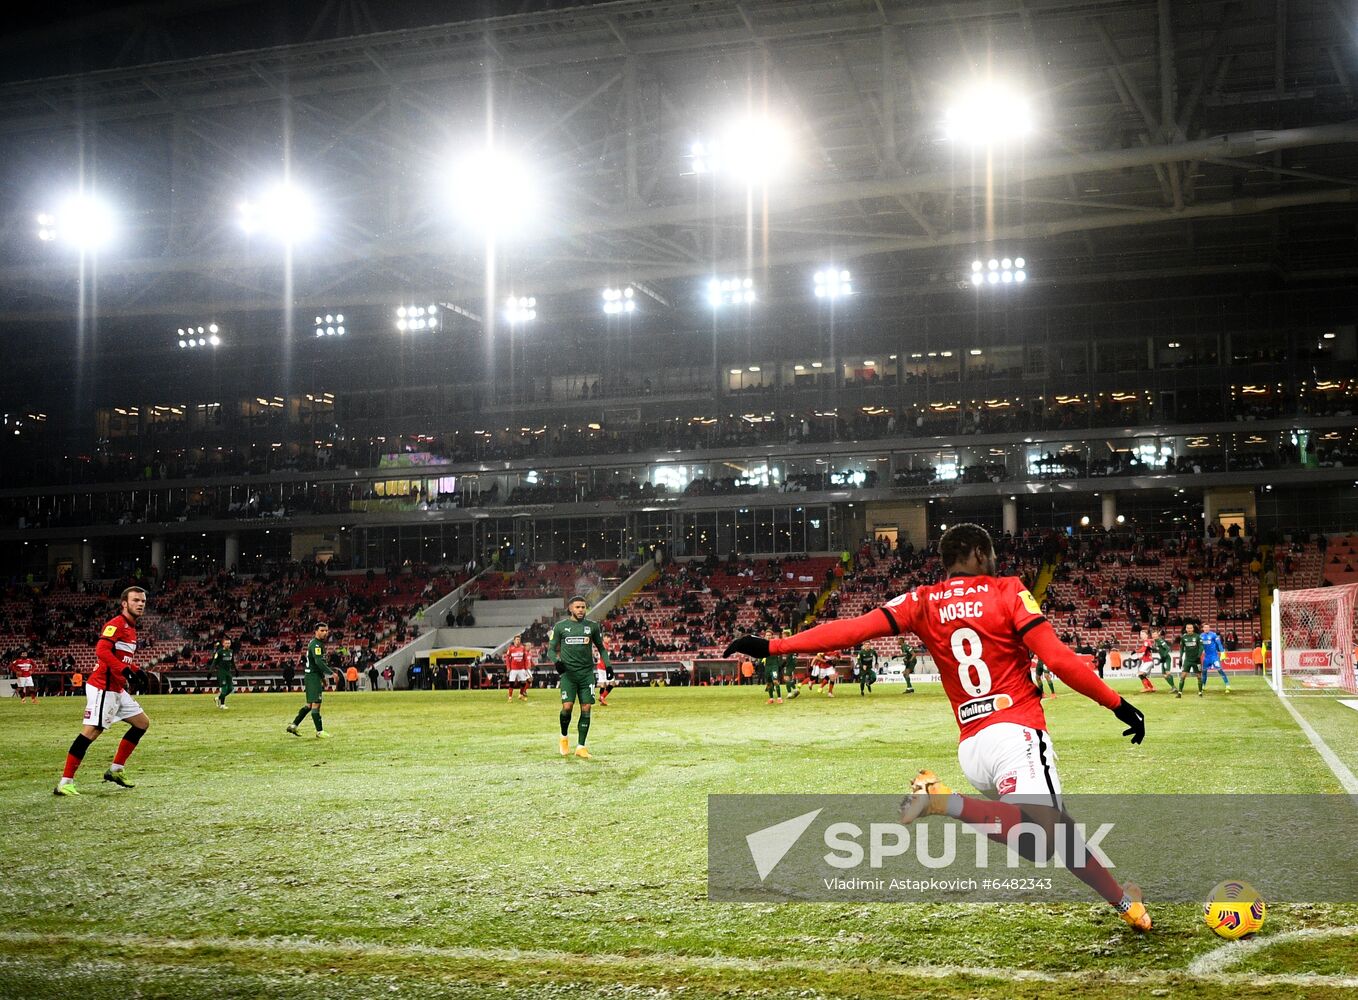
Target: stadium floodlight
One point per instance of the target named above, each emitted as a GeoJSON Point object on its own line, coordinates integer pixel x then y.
{"type": "Point", "coordinates": [745, 149]}
{"type": "Point", "coordinates": [493, 191]}
{"type": "Point", "coordinates": [730, 292]}
{"type": "Point", "coordinates": [416, 318]}
{"type": "Point", "coordinates": [329, 325]}
{"type": "Point", "coordinates": [986, 114]}
{"type": "Point", "coordinates": [283, 212]}
{"type": "Point", "coordinates": [999, 271]}
{"type": "Point", "coordinates": [199, 336]}
{"type": "Point", "coordinates": [833, 283]}
{"type": "Point", "coordinates": [83, 221]}
{"type": "Point", "coordinates": [521, 309]}
{"type": "Point", "coordinates": [619, 300]}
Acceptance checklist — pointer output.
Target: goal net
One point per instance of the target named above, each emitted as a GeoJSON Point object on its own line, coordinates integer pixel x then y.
{"type": "Point", "coordinates": [1313, 641]}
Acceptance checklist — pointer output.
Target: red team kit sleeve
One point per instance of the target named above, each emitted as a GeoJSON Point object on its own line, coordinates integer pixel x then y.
{"type": "Point", "coordinates": [1066, 665]}
{"type": "Point", "coordinates": [837, 634]}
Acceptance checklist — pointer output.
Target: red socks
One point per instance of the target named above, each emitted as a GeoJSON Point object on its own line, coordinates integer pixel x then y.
{"type": "Point", "coordinates": [1092, 873]}
{"type": "Point", "coordinates": [125, 748]}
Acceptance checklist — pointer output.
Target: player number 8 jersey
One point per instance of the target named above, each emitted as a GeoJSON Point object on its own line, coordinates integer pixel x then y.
{"type": "Point", "coordinates": [974, 626]}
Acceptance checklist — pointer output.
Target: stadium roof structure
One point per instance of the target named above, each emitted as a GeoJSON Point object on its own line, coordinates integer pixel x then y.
{"type": "Point", "coordinates": [1170, 139]}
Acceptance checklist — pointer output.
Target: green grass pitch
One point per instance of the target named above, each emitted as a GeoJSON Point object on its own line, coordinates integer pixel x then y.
{"type": "Point", "coordinates": [439, 846]}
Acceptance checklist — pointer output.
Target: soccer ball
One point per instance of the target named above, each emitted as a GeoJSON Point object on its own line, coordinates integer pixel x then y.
{"type": "Point", "coordinates": [1234, 909]}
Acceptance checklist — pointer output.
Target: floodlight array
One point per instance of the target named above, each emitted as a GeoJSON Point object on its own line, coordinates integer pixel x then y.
{"type": "Point", "coordinates": [832, 283]}
{"type": "Point", "coordinates": [998, 271]}
{"type": "Point", "coordinates": [730, 292]}
{"type": "Point", "coordinates": [416, 318]}
{"type": "Point", "coordinates": [199, 336]}
{"type": "Point", "coordinates": [619, 300]}
{"type": "Point", "coordinates": [521, 309]}
{"type": "Point", "coordinates": [330, 325]}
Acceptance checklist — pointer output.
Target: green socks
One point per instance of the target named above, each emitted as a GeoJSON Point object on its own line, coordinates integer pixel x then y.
{"type": "Point", "coordinates": [316, 718]}
{"type": "Point", "coordinates": [301, 715]}
{"type": "Point", "coordinates": [584, 727]}
{"type": "Point", "coordinates": [565, 722]}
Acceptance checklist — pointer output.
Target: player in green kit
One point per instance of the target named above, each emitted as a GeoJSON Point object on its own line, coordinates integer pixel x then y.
{"type": "Point", "coordinates": [314, 672]}
{"type": "Point", "coordinates": [224, 661]}
{"type": "Point", "coordinates": [1190, 658]}
{"type": "Point", "coordinates": [773, 671]}
{"type": "Point", "coordinates": [1163, 656]}
{"type": "Point", "coordinates": [867, 674]}
{"type": "Point", "coordinates": [790, 670]}
{"type": "Point", "coordinates": [570, 649]}
{"type": "Point", "coordinates": [1038, 671]}
{"type": "Point", "coordinates": [908, 662]}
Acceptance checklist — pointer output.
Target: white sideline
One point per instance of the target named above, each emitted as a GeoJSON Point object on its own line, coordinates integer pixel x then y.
{"type": "Point", "coordinates": [1340, 769]}
{"type": "Point", "coordinates": [1349, 703]}
{"type": "Point", "coordinates": [1206, 968]}
{"type": "Point", "coordinates": [1235, 952]}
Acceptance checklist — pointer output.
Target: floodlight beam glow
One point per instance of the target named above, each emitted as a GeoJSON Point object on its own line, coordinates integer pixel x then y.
{"type": "Point", "coordinates": [521, 309]}
{"type": "Point", "coordinates": [84, 221]}
{"type": "Point", "coordinates": [747, 149]}
{"type": "Point", "coordinates": [619, 300]}
{"type": "Point", "coordinates": [730, 292]}
{"type": "Point", "coordinates": [999, 271]}
{"type": "Point", "coordinates": [832, 283]}
{"type": "Point", "coordinates": [493, 191]}
{"type": "Point", "coordinates": [283, 212]}
{"type": "Point", "coordinates": [988, 113]}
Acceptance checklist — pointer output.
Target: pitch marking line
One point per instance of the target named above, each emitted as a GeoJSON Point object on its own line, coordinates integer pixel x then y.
{"type": "Point", "coordinates": [1216, 962]}
{"type": "Point", "coordinates": [1340, 769]}
{"type": "Point", "coordinates": [1349, 703]}
{"type": "Point", "coordinates": [1207, 968]}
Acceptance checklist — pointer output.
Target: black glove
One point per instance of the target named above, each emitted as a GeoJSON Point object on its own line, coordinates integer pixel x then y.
{"type": "Point", "coordinates": [608, 671]}
{"type": "Point", "coordinates": [754, 646]}
{"type": "Point", "coordinates": [560, 667]}
{"type": "Point", "coordinates": [1131, 716]}
{"type": "Point", "coordinates": [136, 681]}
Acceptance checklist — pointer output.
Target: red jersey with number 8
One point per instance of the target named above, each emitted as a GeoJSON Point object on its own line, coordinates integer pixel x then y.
{"type": "Point", "coordinates": [973, 627]}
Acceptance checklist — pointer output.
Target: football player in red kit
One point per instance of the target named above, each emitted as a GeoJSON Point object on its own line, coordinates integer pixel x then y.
{"type": "Point", "coordinates": [107, 699]}
{"type": "Point", "coordinates": [519, 663]}
{"type": "Point", "coordinates": [980, 629]}
{"type": "Point", "coordinates": [22, 669]}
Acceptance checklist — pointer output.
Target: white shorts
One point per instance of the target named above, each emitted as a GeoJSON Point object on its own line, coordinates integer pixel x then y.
{"type": "Point", "coordinates": [1005, 759]}
{"type": "Point", "coordinates": [23, 682]}
{"type": "Point", "coordinates": [601, 678]}
{"type": "Point", "coordinates": [104, 708]}
{"type": "Point", "coordinates": [520, 676]}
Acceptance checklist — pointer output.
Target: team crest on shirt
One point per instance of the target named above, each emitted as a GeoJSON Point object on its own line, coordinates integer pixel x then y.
{"type": "Point", "coordinates": [1008, 784]}
{"type": "Point", "coordinates": [979, 708]}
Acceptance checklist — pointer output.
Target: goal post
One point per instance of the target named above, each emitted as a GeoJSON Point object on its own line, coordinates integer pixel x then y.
{"type": "Point", "coordinates": [1312, 641]}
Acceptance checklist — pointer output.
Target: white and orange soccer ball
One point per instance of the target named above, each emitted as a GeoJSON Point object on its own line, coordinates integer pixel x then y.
{"type": "Point", "coordinates": [1234, 909]}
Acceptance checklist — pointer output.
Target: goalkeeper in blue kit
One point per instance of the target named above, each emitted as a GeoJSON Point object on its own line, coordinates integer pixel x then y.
{"type": "Point", "coordinates": [1212, 648]}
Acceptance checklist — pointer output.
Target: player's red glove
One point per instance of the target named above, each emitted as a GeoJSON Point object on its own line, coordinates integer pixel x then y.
{"type": "Point", "coordinates": [1131, 716]}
